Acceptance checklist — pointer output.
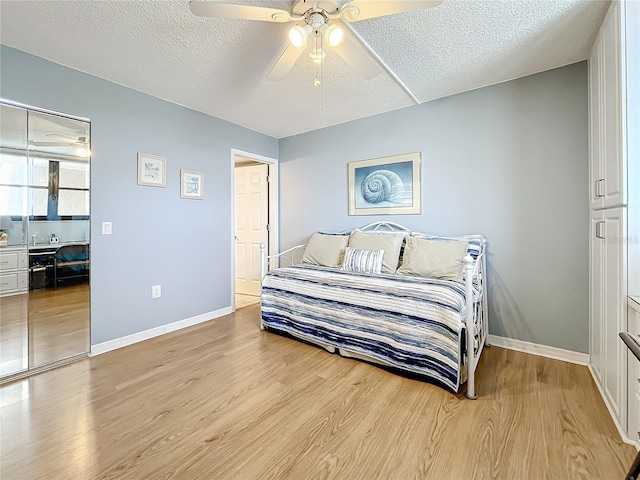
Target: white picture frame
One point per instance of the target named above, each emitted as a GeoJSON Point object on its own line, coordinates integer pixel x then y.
{"type": "Point", "coordinates": [152, 171]}
{"type": "Point", "coordinates": [191, 184]}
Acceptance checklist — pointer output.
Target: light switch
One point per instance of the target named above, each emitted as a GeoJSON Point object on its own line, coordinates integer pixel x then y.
{"type": "Point", "coordinates": [106, 228]}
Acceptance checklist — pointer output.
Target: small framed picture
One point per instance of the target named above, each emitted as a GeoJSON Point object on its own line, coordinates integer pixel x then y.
{"type": "Point", "coordinates": [191, 184]}
{"type": "Point", "coordinates": [152, 170]}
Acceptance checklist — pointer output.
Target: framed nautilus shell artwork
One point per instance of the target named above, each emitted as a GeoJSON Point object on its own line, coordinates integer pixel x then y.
{"type": "Point", "coordinates": [385, 186]}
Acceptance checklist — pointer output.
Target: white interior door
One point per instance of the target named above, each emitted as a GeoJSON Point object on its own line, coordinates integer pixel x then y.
{"type": "Point", "coordinates": [252, 217]}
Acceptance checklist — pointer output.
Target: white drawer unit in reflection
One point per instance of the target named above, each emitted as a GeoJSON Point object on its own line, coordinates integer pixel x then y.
{"type": "Point", "coordinates": [14, 270]}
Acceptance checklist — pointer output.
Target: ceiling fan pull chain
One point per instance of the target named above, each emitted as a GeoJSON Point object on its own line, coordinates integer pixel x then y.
{"type": "Point", "coordinates": [322, 74]}
{"type": "Point", "coordinates": [316, 56]}
{"type": "Point", "coordinates": [318, 59]}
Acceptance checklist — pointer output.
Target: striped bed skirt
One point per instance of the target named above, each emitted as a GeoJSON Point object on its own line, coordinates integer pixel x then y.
{"type": "Point", "coordinates": [408, 322]}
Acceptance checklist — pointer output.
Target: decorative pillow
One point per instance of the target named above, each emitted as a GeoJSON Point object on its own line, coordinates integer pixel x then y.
{"type": "Point", "coordinates": [390, 243]}
{"type": "Point", "coordinates": [325, 249]}
{"type": "Point", "coordinates": [434, 258]}
{"type": "Point", "coordinates": [475, 241]}
{"type": "Point", "coordinates": [362, 261]}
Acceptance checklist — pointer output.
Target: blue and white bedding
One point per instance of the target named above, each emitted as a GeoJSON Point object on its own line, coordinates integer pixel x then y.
{"type": "Point", "coordinates": [409, 322]}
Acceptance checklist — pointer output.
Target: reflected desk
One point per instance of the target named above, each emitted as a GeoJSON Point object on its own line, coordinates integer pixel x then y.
{"type": "Point", "coordinates": [50, 264]}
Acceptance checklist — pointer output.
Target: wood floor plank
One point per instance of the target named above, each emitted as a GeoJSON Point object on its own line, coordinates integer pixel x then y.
{"type": "Point", "coordinates": [224, 400]}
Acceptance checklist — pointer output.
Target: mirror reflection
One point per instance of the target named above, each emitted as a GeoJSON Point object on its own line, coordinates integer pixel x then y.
{"type": "Point", "coordinates": [44, 205]}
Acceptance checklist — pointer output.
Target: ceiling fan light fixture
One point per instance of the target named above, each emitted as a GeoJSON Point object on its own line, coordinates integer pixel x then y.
{"type": "Point", "coordinates": [307, 16]}
{"type": "Point", "coordinates": [298, 35]}
{"type": "Point", "coordinates": [316, 19]}
{"type": "Point", "coordinates": [335, 35]}
{"type": "Point", "coordinates": [317, 55]}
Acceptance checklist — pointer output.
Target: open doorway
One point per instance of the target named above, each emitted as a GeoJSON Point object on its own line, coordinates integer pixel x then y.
{"type": "Point", "coordinates": [255, 222]}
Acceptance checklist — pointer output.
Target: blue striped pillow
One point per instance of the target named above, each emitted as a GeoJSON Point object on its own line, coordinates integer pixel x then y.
{"type": "Point", "coordinates": [362, 261]}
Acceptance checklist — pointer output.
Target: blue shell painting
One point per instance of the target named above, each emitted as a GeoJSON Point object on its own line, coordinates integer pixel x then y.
{"type": "Point", "coordinates": [389, 185]}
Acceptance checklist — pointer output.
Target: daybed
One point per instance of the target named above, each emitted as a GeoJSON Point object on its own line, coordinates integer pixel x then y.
{"type": "Point", "coordinates": [385, 294]}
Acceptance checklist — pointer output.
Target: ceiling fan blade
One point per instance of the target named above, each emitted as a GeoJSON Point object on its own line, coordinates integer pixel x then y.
{"type": "Point", "coordinates": [357, 57]}
{"type": "Point", "coordinates": [357, 10]}
{"type": "Point", "coordinates": [284, 63]}
{"type": "Point", "coordinates": [64, 137]}
{"type": "Point", "coordinates": [69, 140]}
{"type": "Point", "coordinates": [50, 144]}
{"type": "Point", "coordinates": [245, 12]}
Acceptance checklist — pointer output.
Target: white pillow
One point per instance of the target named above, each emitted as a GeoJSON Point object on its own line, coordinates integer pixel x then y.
{"type": "Point", "coordinates": [434, 258]}
{"type": "Point", "coordinates": [362, 261]}
{"type": "Point", "coordinates": [390, 243]}
{"type": "Point", "coordinates": [325, 250]}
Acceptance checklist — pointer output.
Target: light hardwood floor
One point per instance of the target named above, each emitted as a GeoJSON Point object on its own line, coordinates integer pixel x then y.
{"type": "Point", "coordinates": [245, 300]}
{"type": "Point", "coordinates": [223, 400]}
{"type": "Point", "coordinates": [57, 326]}
{"type": "Point", "coordinates": [58, 323]}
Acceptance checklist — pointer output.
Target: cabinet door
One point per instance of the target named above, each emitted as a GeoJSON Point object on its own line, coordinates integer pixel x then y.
{"type": "Point", "coordinates": [615, 312]}
{"type": "Point", "coordinates": [8, 282]}
{"type": "Point", "coordinates": [596, 173]}
{"type": "Point", "coordinates": [8, 261]}
{"type": "Point", "coordinates": [607, 114]}
{"type": "Point", "coordinates": [613, 103]}
{"type": "Point", "coordinates": [596, 307]}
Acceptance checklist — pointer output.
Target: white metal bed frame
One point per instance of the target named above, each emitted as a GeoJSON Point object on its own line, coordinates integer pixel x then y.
{"type": "Point", "coordinates": [474, 276]}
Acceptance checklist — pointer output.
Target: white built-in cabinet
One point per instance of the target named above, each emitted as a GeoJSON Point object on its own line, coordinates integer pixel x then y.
{"type": "Point", "coordinates": [606, 91]}
{"type": "Point", "coordinates": [608, 306]}
{"type": "Point", "coordinates": [609, 197]}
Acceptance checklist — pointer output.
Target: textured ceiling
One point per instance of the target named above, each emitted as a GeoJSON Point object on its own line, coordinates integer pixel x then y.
{"type": "Point", "coordinates": [218, 66]}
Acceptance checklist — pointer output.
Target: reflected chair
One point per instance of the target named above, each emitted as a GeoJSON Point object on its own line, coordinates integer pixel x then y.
{"type": "Point", "coordinates": [71, 261]}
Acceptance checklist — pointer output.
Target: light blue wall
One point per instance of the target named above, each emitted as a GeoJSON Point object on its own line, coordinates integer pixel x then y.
{"type": "Point", "coordinates": [158, 238]}
{"type": "Point", "coordinates": [508, 161]}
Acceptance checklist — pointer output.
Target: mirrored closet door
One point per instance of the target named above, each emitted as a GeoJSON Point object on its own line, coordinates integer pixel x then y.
{"type": "Point", "coordinates": [44, 238]}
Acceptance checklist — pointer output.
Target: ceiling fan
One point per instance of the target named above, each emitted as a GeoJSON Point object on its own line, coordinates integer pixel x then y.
{"type": "Point", "coordinates": [325, 20]}
{"type": "Point", "coordinates": [65, 141]}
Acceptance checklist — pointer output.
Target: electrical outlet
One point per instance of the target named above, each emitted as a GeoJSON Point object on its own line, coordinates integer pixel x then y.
{"type": "Point", "coordinates": [156, 291]}
{"type": "Point", "coordinates": [106, 228]}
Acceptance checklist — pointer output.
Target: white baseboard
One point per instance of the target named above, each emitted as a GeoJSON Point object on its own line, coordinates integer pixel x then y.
{"type": "Point", "coordinates": [623, 434]}
{"type": "Point", "coordinates": [156, 332]}
{"type": "Point", "coordinates": [540, 350]}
